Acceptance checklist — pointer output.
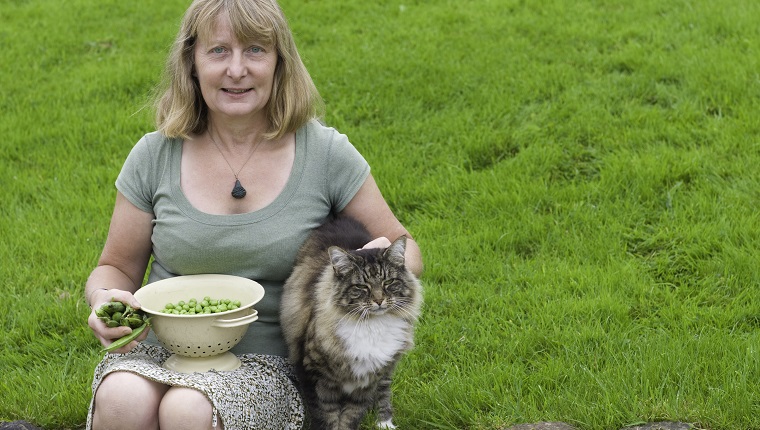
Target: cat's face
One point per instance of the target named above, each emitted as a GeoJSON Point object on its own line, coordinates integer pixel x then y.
{"type": "Point", "coordinates": [373, 281]}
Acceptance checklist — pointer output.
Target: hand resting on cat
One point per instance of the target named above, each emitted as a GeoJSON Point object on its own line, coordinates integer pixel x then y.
{"type": "Point", "coordinates": [380, 242]}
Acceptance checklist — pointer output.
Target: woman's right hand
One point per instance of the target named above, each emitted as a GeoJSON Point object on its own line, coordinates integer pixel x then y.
{"type": "Point", "coordinates": [107, 335]}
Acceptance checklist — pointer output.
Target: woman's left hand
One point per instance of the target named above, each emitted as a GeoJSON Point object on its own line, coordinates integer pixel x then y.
{"type": "Point", "coordinates": [380, 242]}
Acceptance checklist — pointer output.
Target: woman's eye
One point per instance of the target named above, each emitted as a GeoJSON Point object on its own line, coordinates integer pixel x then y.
{"type": "Point", "coordinates": [217, 50]}
{"type": "Point", "coordinates": [256, 49]}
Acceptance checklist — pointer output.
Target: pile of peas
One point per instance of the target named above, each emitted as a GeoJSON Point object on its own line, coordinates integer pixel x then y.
{"type": "Point", "coordinates": [205, 306]}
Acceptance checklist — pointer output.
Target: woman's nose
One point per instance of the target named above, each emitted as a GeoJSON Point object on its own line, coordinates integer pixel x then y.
{"type": "Point", "coordinates": [236, 69]}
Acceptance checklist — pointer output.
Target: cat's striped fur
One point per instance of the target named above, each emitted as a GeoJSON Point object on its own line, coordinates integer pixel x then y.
{"type": "Point", "coordinates": [348, 315]}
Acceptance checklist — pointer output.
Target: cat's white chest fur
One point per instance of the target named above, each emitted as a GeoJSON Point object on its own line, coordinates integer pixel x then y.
{"type": "Point", "coordinates": [373, 343]}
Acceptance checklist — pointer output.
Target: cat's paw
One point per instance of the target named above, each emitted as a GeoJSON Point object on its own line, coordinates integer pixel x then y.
{"type": "Point", "coordinates": [385, 425]}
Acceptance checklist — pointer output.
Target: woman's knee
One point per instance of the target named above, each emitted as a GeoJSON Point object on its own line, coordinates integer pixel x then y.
{"type": "Point", "coordinates": [126, 400]}
{"type": "Point", "coordinates": [188, 409]}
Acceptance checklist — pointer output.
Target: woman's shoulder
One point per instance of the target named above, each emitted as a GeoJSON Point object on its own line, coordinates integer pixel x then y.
{"type": "Point", "coordinates": [157, 140]}
{"type": "Point", "coordinates": [153, 144]}
{"type": "Point", "coordinates": [330, 149]}
{"type": "Point", "coordinates": [319, 135]}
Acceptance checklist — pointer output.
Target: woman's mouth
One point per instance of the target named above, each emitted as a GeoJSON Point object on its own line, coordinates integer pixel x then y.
{"type": "Point", "coordinates": [236, 90]}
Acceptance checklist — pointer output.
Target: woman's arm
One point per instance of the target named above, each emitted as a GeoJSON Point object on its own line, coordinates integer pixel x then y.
{"type": "Point", "coordinates": [370, 208]}
{"type": "Point", "coordinates": [121, 267]}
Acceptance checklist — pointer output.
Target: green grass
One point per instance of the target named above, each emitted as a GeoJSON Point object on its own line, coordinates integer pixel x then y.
{"type": "Point", "coordinates": [581, 176]}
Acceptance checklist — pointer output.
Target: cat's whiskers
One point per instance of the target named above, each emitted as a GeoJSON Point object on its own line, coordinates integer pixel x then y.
{"type": "Point", "coordinates": [358, 315]}
{"type": "Point", "coordinates": [365, 312]}
{"type": "Point", "coordinates": [402, 310]}
{"type": "Point", "coordinates": [354, 313]}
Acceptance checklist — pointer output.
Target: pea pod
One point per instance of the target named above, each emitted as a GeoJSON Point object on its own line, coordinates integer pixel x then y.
{"type": "Point", "coordinates": [125, 340]}
{"type": "Point", "coordinates": [129, 310]}
{"type": "Point", "coordinates": [112, 307]}
{"type": "Point", "coordinates": [132, 322]}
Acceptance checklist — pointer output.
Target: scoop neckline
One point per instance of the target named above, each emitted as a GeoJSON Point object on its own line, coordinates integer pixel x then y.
{"type": "Point", "coordinates": [268, 211]}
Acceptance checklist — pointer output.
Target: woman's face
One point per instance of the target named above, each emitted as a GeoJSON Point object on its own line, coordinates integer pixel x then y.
{"type": "Point", "coordinates": [235, 77]}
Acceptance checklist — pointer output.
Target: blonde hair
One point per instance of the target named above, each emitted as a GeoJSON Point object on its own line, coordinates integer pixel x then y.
{"type": "Point", "coordinates": [180, 108]}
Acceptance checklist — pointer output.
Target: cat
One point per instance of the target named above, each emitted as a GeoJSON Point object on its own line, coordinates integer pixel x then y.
{"type": "Point", "coordinates": [348, 316]}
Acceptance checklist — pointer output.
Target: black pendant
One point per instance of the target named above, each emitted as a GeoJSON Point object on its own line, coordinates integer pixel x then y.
{"type": "Point", "coordinates": [238, 191]}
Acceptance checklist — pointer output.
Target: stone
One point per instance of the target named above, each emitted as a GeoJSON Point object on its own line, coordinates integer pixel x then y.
{"type": "Point", "coordinates": [18, 425]}
{"type": "Point", "coordinates": [662, 425]}
{"type": "Point", "coordinates": [238, 191]}
{"type": "Point", "coordinates": [547, 425]}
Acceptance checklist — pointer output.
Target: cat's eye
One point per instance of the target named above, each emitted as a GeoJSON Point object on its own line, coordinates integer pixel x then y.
{"type": "Point", "coordinates": [357, 291]}
{"type": "Point", "coordinates": [391, 286]}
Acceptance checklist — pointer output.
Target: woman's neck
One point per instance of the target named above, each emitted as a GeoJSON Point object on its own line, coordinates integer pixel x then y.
{"type": "Point", "coordinates": [235, 133]}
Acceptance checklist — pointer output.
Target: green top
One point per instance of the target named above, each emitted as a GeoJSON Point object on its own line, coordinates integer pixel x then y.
{"type": "Point", "coordinates": [261, 245]}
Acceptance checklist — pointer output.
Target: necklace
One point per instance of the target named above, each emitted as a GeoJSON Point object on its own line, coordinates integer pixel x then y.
{"type": "Point", "coordinates": [238, 191]}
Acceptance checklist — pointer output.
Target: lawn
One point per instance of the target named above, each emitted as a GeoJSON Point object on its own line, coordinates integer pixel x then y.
{"type": "Point", "coordinates": [580, 175]}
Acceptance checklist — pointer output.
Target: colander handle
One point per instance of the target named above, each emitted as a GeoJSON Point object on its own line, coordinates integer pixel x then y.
{"type": "Point", "coordinates": [235, 322]}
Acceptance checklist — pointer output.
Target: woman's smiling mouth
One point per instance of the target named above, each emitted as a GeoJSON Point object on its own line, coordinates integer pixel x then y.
{"type": "Point", "coordinates": [236, 90]}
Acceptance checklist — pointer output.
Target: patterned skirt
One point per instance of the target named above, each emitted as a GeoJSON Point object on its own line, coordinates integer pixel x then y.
{"type": "Point", "coordinates": [260, 395]}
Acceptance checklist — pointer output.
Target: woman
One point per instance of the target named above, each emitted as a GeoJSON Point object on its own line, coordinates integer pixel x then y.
{"type": "Point", "coordinates": [237, 175]}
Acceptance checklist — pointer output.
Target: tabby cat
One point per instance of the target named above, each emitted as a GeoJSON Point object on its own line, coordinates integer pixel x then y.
{"type": "Point", "coordinates": [348, 315]}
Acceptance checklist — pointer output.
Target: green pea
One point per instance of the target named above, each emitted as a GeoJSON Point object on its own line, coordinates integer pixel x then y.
{"type": "Point", "coordinates": [208, 305]}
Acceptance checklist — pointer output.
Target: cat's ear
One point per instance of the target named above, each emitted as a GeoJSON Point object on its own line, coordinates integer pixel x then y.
{"type": "Point", "coordinates": [395, 252]}
{"type": "Point", "coordinates": [340, 260]}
